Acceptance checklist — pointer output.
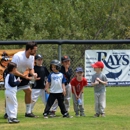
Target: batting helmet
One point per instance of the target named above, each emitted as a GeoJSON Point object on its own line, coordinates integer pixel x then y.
{"type": "Point", "coordinates": [56, 63]}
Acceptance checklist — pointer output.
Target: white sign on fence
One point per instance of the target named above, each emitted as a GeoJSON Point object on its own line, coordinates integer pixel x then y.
{"type": "Point", "coordinates": [116, 65]}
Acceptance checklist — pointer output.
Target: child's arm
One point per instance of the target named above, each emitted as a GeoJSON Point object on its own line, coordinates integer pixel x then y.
{"type": "Point", "coordinates": [75, 92]}
{"type": "Point", "coordinates": [11, 81]}
{"type": "Point", "coordinates": [103, 82]}
{"type": "Point", "coordinates": [47, 86]}
{"type": "Point", "coordinates": [95, 83]}
{"type": "Point", "coordinates": [80, 92]}
{"type": "Point", "coordinates": [64, 90]}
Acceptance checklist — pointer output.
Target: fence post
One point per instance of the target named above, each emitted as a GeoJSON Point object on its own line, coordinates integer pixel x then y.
{"type": "Point", "coordinates": [59, 52]}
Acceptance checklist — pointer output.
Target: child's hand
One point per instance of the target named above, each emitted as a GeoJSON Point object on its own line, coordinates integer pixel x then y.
{"type": "Point", "coordinates": [37, 78]}
{"type": "Point", "coordinates": [47, 92]}
{"type": "Point", "coordinates": [35, 75]}
{"type": "Point", "coordinates": [97, 79]}
{"type": "Point", "coordinates": [96, 82]}
{"type": "Point", "coordinates": [19, 80]}
{"type": "Point", "coordinates": [64, 92]}
{"type": "Point", "coordinates": [77, 97]}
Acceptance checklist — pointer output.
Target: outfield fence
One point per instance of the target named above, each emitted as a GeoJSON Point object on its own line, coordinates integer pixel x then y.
{"type": "Point", "coordinates": [75, 49]}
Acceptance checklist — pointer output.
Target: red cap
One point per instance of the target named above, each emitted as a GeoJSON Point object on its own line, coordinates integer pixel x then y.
{"type": "Point", "coordinates": [98, 64]}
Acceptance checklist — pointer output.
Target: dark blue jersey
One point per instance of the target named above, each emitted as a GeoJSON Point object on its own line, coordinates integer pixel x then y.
{"type": "Point", "coordinates": [43, 73]}
{"type": "Point", "coordinates": [66, 74]}
{"type": "Point", "coordinates": [12, 81]}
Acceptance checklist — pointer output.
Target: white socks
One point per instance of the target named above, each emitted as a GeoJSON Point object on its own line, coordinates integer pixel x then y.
{"type": "Point", "coordinates": [32, 106]}
{"type": "Point", "coordinates": [28, 108]}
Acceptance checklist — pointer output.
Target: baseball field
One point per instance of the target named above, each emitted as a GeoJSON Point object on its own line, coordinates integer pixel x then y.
{"type": "Point", "coordinates": [117, 114]}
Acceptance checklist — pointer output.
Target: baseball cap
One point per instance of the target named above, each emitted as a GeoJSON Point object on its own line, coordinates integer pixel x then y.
{"type": "Point", "coordinates": [65, 58]}
{"type": "Point", "coordinates": [38, 56]}
{"type": "Point", "coordinates": [4, 56]}
{"type": "Point", "coordinates": [79, 69]}
{"type": "Point", "coordinates": [98, 64]}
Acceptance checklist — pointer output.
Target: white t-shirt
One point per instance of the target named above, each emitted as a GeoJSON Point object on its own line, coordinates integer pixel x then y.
{"type": "Point", "coordinates": [56, 80]}
{"type": "Point", "coordinates": [23, 62]}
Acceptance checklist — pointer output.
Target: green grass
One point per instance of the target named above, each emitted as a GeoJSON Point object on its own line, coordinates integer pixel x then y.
{"type": "Point", "coordinates": [117, 114]}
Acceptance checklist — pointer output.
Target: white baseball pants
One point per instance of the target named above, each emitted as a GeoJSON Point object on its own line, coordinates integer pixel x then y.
{"type": "Point", "coordinates": [11, 104]}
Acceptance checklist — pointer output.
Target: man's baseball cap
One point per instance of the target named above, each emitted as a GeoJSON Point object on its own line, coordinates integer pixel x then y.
{"type": "Point", "coordinates": [79, 69]}
{"type": "Point", "coordinates": [65, 58]}
{"type": "Point", "coordinates": [38, 56]}
{"type": "Point", "coordinates": [98, 64]}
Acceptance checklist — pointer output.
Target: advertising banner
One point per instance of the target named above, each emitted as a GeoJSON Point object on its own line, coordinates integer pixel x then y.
{"type": "Point", "coordinates": [116, 65]}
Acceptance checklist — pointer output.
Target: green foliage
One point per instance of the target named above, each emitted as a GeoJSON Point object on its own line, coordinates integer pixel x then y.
{"type": "Point", "coordinates": [64, 19]}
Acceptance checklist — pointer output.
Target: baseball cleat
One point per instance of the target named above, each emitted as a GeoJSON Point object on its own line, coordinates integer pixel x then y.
{"type": "Point", "coordinates": [13, 120]}
{"type": "Point", "coordinates": [30, 115]}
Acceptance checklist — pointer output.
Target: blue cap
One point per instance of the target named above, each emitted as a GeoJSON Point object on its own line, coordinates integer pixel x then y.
{"type": "Point", "coordinates": [79, 69]}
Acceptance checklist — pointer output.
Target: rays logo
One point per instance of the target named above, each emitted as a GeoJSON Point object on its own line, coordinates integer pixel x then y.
{"type": "Point", "coordinates": [114, 61]}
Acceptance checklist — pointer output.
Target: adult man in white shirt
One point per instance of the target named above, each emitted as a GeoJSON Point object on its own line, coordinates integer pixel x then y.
{"type": "Point", "coordinates": [24, 61]}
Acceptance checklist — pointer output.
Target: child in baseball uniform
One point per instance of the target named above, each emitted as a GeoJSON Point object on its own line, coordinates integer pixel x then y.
{"type": "Point", "coordinates": [38, 88]}
{"type": "Point", "coordinates": [99, 82]}
{"type": "Point", "coordinates": [56, 83]}
{"type": "Point", "coordinates": [10, 93]}
{"type": "Point", "coordinates": [77, 84]}
{"type": "Point", "coordinates": [67, 72]}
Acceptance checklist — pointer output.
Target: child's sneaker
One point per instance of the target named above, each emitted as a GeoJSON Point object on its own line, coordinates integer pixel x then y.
{"type": "Point", "coordinates": [45, 115]}
{"type": "Point", "coordinates": [103, 115]}
{"type": "Point", "coordinates": [5, 116]}
{"type": "Point", "coordinates": [82, 114]}
{"type": "Point", "coordinates": [77, 115]}
{"type": "Point", "coordinates": [13, 120]}
{"type": "Point", "coordinates": [96, 115]}
{"type": "Point", "coordinates": [66, 115]}
{"type": "Point", "coordinates": [52, 114]}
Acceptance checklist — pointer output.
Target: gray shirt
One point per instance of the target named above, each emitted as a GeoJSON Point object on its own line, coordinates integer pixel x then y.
{"type": "Point", "coordinates": [100, 88]}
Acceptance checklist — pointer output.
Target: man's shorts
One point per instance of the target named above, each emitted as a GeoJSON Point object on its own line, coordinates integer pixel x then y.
{"type": "Point", "coordinates": [23, 87]}
{"type": "Point", "coordinates": [24, 84]}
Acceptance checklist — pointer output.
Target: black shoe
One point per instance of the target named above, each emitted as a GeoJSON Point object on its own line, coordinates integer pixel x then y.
{"type": "Point", "coordinates": [66, 115]}
{"type": "Point", "coordinates": [5, 116]}
{"type": "Point", "coordinates": [45, 115]}
{"type": "Point", "coordinates": [96, 115]}
{"type": "Point", "coordinates": [30, 115]}
{"type": "Point", "coordinates": [13, 120]}
{"type": "Point", "coordinates": [52, 114]}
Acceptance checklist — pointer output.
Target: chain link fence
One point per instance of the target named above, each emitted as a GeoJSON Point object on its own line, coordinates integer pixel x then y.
{"type": "Point", "coordinates": [76, 52]}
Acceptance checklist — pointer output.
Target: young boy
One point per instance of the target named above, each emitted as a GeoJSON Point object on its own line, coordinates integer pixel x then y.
{"type": "Point", "coordinates": [78, 83]}
{"type": "Point", "coordinates": [10, 93]}
{"type": "Point", "coordinates": [67, 72]}
{"type": "Point", "coordinates": [99, 81]}
{"type": "Point", "coordinates": [56, 83]}
{"type": "Point", "coordinates": [38, 88]}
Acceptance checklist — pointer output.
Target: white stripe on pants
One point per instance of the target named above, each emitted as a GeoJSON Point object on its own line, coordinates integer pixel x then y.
{"type": "Point", "coordinates": [11, 104]}
{"type": "Point", "coordinates": [100, 102]}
